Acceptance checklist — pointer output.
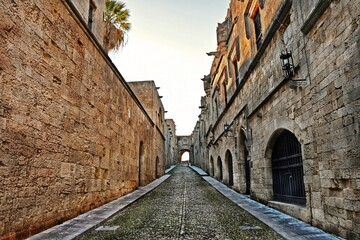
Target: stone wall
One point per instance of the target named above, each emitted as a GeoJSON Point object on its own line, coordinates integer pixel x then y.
{"type": "Point", "coordinates": [146, 92]}
{"type": "Point", "coordinates": [170, 143]}
{"type": "Point", "coordinates": [98, 24]}
{"type": "Point", "coordinates": [322, 110]}
{"type": "Point", "coordinates": [72, 131]}
{"type": "Point", "coordinates": [200, 155]}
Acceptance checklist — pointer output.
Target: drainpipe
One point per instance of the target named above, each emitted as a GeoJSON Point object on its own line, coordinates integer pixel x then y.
{"type": "Point", "coordinates": [248, 131]}
{"type": "Point", "coordinates": [309, 76]}
{"type": "Point", "coordinates": [310, 201]}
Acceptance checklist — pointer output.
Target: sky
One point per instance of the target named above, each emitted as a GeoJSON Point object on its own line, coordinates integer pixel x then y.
{"type": "Point", "coordinates": [167, 43]}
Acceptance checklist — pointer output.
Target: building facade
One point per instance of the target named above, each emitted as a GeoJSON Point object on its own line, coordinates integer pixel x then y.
{"type": "Point", "coordinates": [146, 92]}
{"type": "Point", "coordinates": [170, 143]}
{"type": "Point", "coordinates": [280, 118]}
{"type": "Point", "coordinates": [73, 134]}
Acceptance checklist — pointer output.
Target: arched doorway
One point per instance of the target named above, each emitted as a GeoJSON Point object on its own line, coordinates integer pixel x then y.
{"type": "Point", "coordinates": [141, 163]}
{"type": "Point", "coordinates": [211, 166]}
{"type": "Point", "coordinates": [185, 156]}
{"type": "Point", "coordinates": [184, 145]}
{"type": "Point", "coordinates": [219, 169]}
{"type": "Point", "coordinates": [229, 165]}
{"type": "Point", "coordinates": [156, 167]}
{"type": "Point", "coordinates": [244, 157]}
{"type": "Point", "coordinates": [287, 169]}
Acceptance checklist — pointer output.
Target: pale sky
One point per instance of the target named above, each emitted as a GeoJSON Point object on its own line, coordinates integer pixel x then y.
{"type": "Point", "coordinates": [168, 44]}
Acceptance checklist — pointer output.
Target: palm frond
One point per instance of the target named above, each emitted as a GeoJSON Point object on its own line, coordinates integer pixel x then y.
{"type": "Point", "coordinates": [116, 18]}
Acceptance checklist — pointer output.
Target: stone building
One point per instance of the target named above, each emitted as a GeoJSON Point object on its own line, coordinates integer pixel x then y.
{"type": "Point", "coordinates": [280, 118]}
{"type": "Point", "coordinates": [146, 92]}
{"type": "Point", "coordinates": [200, 153]}
{"type": "Point", "coordinates": [73, 134]}
{"type": "Point", "coordinates": [92, 12]}
{"type": "Point", "coordinates": [170, 143]}
{"type": "Point", "coordinates": [184, 144]}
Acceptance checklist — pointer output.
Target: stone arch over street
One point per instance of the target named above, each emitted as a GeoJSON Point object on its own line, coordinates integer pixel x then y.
{"type": "Point", "coordinates": [184, 144]}
{"type": "Point", "coordinates": [181, 155]}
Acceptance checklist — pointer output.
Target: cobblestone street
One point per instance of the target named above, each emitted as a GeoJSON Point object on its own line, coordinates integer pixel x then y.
{"type": "Point", "coordinates": [183, 207]}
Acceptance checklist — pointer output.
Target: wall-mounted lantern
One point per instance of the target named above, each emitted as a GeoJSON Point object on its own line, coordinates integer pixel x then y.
{"type": "Point", "coordinates": [287, 63]}
{"type": "Point", "coordinates": [226, 127]}
{"type": "Point", "coordinates": [228, 132]}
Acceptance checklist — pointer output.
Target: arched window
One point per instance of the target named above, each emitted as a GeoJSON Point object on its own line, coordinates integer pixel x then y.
{"type": "Point", "coordinates": [287, 169]}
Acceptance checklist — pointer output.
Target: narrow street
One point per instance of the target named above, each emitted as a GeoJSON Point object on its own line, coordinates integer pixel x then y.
{"type": "Point", "coordinates": [183, 207]}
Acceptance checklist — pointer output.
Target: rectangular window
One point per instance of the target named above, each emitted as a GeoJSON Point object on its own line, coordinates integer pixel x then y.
{"type": "Point", "coordinates": [216, 108]}
{"type": "Point", "coordinates": [258, 34]}
{"type": "Point", "coordinates": [236, 72]}
{"type": "Point", "coordinates": [224, 82]}
{"type": "Point", "coordinates": [225, 93]}
{"type": "Point", "coordinates": [91, 15]}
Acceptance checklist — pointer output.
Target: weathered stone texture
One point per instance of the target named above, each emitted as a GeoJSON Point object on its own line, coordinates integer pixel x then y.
{"type": "Point", "coordinates": [170, 142]}
{"type": "Point", "coordinates": [70, 126]}
{"type": "Point", "coordinates": [322, 112]}
{"type": "Point", "coordinates": [146, 92]}
{"type": "Point", "coordinates": [184, 144]}
{"type": "Point", "coordinates": [98, 24]}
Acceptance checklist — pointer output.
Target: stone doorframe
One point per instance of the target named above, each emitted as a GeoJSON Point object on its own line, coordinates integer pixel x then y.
{"type": "Point", "coordinates": [274, 128]}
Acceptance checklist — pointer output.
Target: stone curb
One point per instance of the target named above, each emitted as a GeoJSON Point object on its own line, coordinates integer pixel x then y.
{"type": "Point", "coordinates": [198, 170]}
{"type": "Point", "coordinates": [79, 225]}
{"type": "Point", "coordinates": [170, 168]}
{"type": "Point", "coordinates": [287, 226]}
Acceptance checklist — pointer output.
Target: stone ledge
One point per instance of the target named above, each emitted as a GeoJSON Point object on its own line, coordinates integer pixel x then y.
{"type": "Point", "coordinates": [294, 210]}
{"type": "Point", "coordinates": [315, 14]}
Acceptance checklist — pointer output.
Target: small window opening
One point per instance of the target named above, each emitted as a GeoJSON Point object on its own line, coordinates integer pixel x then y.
{"type": "Point", "coordinates": [258, 34]}
{"type": "Point", "coordinates": [91, 15]}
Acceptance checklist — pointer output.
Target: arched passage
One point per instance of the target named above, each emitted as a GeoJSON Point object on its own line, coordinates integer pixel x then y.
{"type": "Point", "coordinates": [229, 167]}
{"type": "Point", "coordinates": [141, 164]}
{"type": "Point", "coordinates": [211, 166]}
{"type": "Point", "coordinates": [156, 167]}
{"type": "Point", "coordinates": [219, 174]}
{"type": "Point", "coordinates": [245, 162]}
{"type": "Point", "coordinates": [184, 155]}
{"type": "Point", "coordinates": [184, 145]}
{"type": "Point", "coordinates": [287, 169]}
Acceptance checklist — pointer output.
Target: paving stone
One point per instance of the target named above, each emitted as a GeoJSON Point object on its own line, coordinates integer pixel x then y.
{"type": "Point", "coordinates": [107, 228]}
{"type": "Point", "coordinates": [184, 207]}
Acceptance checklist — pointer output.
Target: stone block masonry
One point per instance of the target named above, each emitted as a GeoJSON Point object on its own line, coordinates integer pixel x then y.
{"type": "Point", "coordinates": [318, 106]}
{"type": "Point", "coordinates": [72, 133]}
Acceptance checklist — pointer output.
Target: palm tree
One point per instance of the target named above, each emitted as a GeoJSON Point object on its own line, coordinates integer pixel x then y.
{"type": "Point", "coordinates": [116, 20]}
